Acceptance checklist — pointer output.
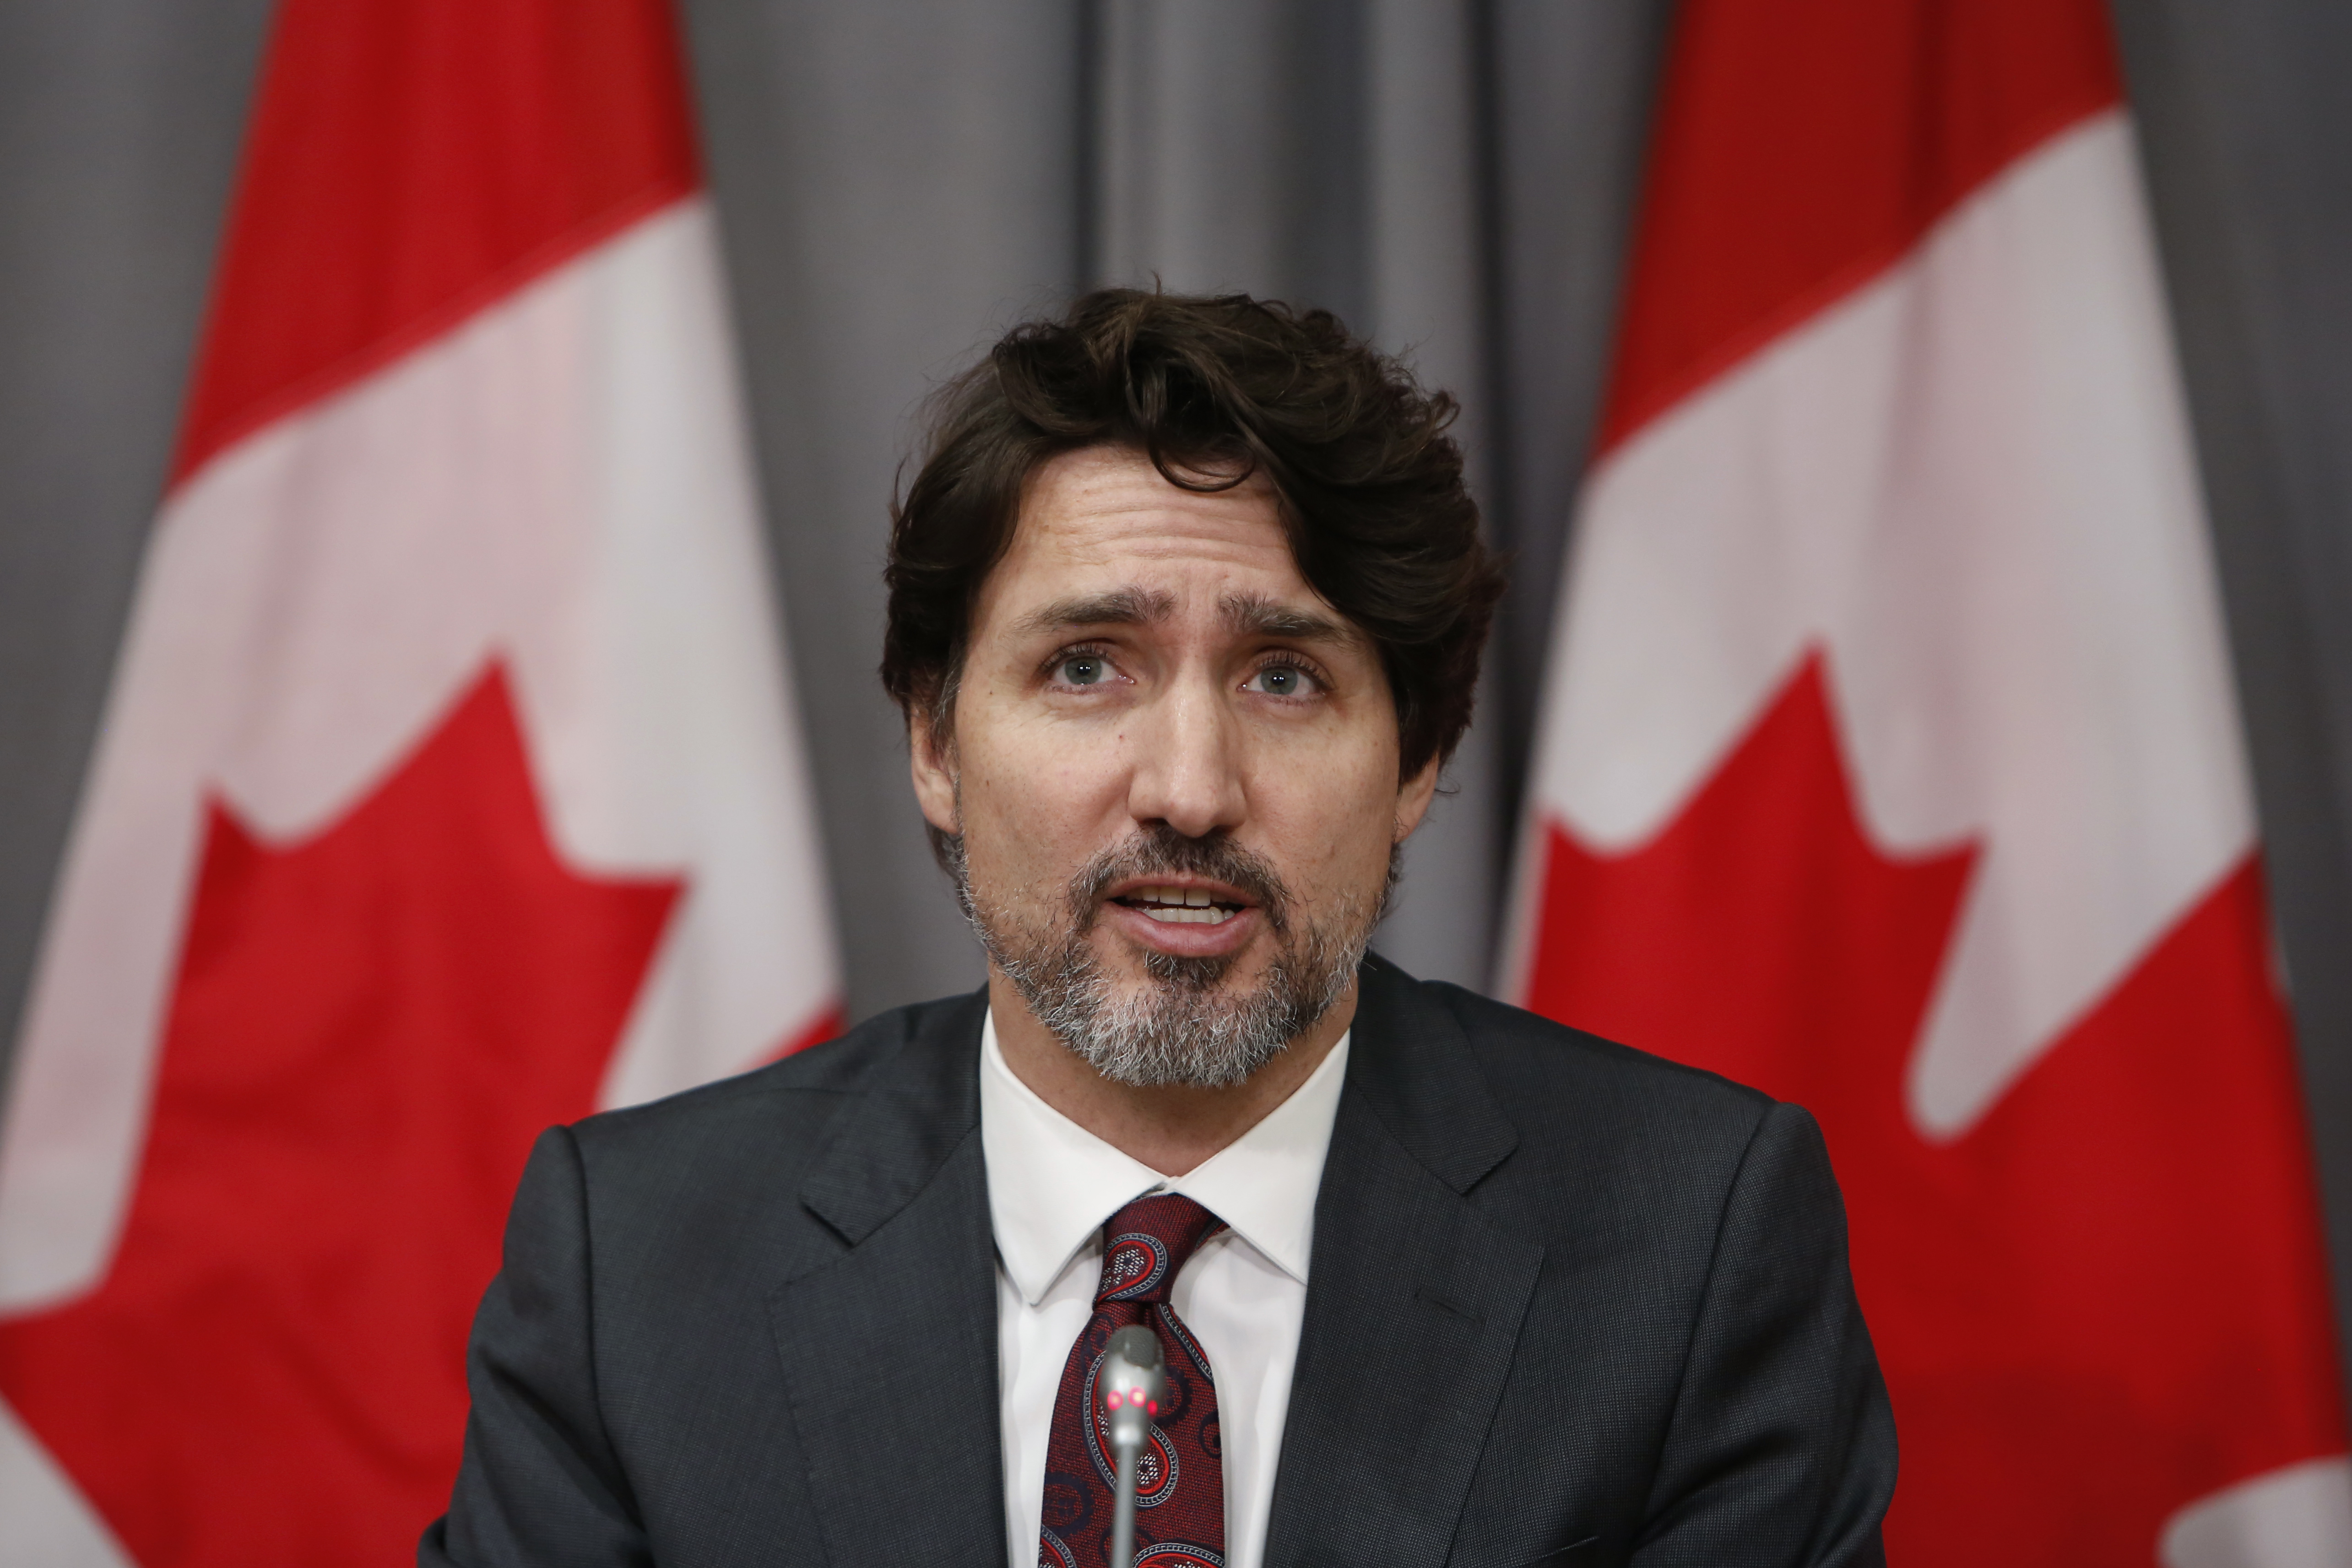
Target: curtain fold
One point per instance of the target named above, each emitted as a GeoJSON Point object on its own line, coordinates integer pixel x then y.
{"type": "Point", "coordinates": [898, 181]}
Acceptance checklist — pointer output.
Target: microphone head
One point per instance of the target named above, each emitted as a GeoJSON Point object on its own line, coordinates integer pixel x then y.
{"type": "Point", "coordinates": [1131, 1385]}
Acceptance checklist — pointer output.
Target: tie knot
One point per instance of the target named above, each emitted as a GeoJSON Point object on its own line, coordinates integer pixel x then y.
{"type": "Point", "coordinates": [1146, 1244]}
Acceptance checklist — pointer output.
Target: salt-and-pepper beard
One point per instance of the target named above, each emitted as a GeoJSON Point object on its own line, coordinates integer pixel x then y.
{"type": "Point", "coordinates": [1183, 1027]}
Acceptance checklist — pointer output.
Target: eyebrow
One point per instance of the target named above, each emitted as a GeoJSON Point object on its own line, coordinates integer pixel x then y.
{"type": "Point", "coordinates": [1245, 614]}
{"type": "Point", "coordinates": [1255, 615]}
{"type": "Point", "coordinates": [1120, 607]}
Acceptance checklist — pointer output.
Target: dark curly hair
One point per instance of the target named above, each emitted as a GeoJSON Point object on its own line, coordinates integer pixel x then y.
{"type": "Point", "coordinates": [1212, 390]}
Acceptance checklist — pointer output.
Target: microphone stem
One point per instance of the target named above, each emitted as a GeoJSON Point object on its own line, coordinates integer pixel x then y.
{"type": "Point", "coordinates": [1122, 1513]}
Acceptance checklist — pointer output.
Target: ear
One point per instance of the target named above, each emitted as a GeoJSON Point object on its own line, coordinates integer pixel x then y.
{"type": "Point", "coordinates": [1413, 797]}
{"type": "Point", "coordinates": [932, 763]}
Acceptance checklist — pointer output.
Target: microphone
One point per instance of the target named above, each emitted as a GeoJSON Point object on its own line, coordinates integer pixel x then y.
{"type": "Point", "coordinates": [1129, 1389]}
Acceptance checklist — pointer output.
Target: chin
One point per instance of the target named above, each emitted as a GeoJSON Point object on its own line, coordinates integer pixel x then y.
{"type": "Point", "coordinates": [1144, 969]}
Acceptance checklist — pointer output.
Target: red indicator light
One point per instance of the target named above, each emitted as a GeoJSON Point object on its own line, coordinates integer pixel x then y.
{"type": "Point", "coordinates": [1155, 1406]}
{"type": "Point", "coordinates": [1111, 1399]}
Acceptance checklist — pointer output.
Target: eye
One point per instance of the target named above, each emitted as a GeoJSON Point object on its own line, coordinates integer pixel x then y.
{"type": "Point", "coordinates": [1283, 680]}
{"type": "Point", "coordinates": [1084, 667]}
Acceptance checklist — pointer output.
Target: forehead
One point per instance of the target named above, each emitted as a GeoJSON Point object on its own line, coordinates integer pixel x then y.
{"type": "Point", "coordinates": [1105, 519]}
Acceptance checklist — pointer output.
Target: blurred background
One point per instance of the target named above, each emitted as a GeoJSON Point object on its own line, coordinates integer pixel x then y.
{"type": "Point", "coordinates": [897, 181]}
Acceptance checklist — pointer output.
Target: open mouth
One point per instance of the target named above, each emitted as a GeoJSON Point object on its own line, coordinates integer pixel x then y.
{"type": "Point", "coordinates": [1183, 905]}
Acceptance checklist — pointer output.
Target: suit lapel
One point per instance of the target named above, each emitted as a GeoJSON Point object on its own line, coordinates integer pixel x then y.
{"type": "Point", "coordinates": [1414, 1299]}
{"type": "Point", "coordinates": [886, 1325]}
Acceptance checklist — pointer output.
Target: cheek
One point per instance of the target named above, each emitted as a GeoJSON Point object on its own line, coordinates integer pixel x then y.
{"type": "Point", "coordinates": [1032, 804]}
{"type": "Point", "coordinates": [1331, 825]}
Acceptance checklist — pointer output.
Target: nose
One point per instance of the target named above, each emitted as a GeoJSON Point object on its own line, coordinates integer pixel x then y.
{"type": "Point", "coordinates": [1187, 771]}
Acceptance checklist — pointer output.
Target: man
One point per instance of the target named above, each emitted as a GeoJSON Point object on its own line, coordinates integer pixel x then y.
{"type": "Point", "coordinates": [1186, 607]}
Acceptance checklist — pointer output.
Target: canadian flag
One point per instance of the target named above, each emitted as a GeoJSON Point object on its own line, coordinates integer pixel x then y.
{"type": "Point", "coordinates": [1890, 762]}
{"type": "Point", "coordinates": [448, 787]}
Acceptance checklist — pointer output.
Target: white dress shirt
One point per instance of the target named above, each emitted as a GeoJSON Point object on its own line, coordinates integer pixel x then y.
{"type": "Point", "coordinates": [1051, 1186]}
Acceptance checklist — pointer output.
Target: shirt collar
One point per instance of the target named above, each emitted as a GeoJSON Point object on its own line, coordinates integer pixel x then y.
{"type": "Point", "coordinates": [1052, 1183]}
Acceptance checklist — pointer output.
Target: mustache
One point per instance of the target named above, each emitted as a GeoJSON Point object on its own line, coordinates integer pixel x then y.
{"type": "Point", "coordinates": [1161, 850]}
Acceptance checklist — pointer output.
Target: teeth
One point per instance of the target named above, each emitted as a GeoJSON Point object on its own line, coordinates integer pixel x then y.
{"type": "Point", "coordinates": [1183, 914]}
{"type": "Point", "coordinates": [1180, 905]}
{"type": "Point", "coordinates": [1175, 897]}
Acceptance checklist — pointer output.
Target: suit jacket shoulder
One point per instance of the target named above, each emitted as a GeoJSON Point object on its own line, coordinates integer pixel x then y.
{"type": "Point", "coordinates": [1642, 1138]}
{"type": "Point", "coordinates": [688, 1357]}
{"type": "Point", "coordinates": [1616, 1288]}
{"type": "Point", "coordinates": [779, 1110]}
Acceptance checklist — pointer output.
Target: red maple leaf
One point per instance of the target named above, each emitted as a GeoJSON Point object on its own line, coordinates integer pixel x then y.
{"type": "Point", "coordinates": [2104, 1301]}
{"type": "Point", "coordinates": [368, 1029]}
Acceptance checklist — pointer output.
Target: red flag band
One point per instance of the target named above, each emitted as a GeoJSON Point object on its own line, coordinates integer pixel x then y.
{"type": "Point", "coordinates": [1890, 763]}
{"type": "Point", "coordinates": [449, 788]}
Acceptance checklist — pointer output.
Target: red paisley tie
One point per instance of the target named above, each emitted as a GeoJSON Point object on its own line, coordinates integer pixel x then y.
{"type": "Point", "coordinates": [1180, 1506]}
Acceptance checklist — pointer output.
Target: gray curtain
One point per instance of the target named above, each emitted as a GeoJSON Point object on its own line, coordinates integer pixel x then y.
{"type": "Point", "coordinates": [901, 179]}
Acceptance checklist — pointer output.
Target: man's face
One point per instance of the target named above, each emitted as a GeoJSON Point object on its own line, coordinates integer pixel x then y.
{"type": "Point", "coordinates": [1173, 769]}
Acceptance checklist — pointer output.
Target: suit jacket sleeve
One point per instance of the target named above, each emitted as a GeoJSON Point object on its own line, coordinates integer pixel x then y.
{"type": "Point", "coordinates": [541, 1484]}
{"type": "Point", "coordinates": [1781, 1447]}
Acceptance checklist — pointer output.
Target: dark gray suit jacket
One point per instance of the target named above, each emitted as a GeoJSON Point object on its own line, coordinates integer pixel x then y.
{"type": "Point", "coordinates": [1569, 1305]}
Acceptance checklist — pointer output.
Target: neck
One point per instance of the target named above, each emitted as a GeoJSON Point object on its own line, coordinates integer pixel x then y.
{"type": "Point", "coordinates": [1169, 1127]}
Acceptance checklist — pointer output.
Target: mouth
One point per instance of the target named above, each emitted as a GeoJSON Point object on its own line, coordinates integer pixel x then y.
{"type": "Point", "coordinates": [1183, 903]}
